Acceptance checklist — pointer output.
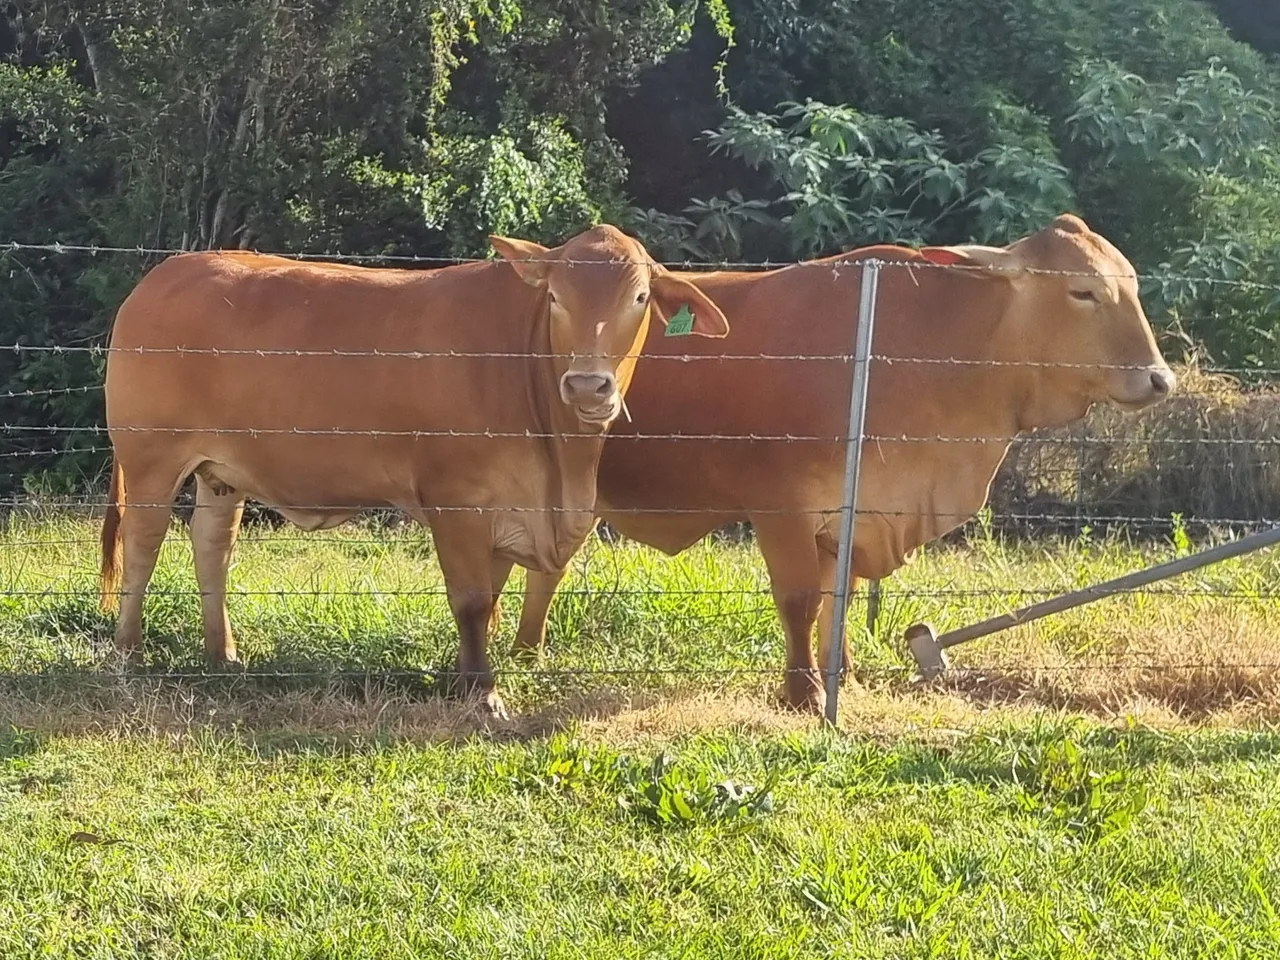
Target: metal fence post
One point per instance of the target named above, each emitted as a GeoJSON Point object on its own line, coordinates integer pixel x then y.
{"type": "Point", "coordinates": [852, 468]}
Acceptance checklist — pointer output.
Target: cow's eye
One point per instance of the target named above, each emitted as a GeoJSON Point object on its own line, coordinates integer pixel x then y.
{"type": "Point", "coordinates": [642, 298]}
{"type": "Point", "coordinates": [1084, 296]}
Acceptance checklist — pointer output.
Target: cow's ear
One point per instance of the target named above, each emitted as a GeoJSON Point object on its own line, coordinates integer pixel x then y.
{"type": "Point", "coordinates": [527, 257]}
{"type": "Point", "coordinates": [670, 294]}
{"type": "Point", "coordinates": [996, 262]}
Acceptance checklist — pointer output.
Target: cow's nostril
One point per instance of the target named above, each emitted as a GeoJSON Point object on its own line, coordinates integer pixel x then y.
{"type": "Point", "coordinates": [590, 384]}
{"type": "Point", "coordinates": [1161, 383]}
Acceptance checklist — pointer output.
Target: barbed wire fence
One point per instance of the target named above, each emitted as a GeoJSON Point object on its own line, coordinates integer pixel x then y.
{"type": "Point", "coordinates": [1072, 451]}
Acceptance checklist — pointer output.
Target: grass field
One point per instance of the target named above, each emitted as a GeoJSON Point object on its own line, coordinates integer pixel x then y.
{"type": "Point", "coordinates": [1101, 784]}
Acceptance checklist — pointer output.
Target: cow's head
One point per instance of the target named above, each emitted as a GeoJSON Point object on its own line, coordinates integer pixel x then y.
{"type": "Point", "coordinates": [1073, 316]}
{"type": "Point", "coordinates": [600, 289]}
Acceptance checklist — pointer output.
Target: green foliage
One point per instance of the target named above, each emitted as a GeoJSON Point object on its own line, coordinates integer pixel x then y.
{"type": "Point", "coordinates": [943, 121]}
{"type": "Point", "coordinates": [1216, 138]}
{"type": "Point", "coordinates": [385, 126]}
{"type": "Point", "coordinates": [360, 126]}
{"type": "Point", "coordinates": [1181, 539]}
{"type": "Point", "coordinates": [664, 794]}
{"type": "Point", "coordinates": [661, 792]}
{"type": "Point", "coordinates": [567, 766]}
{"type": "Point", "coordinates": [534, 184]}
{"type": "Point", "coordinates": [849, 179]}
{"type": "Point", "coordinates": [1071, 786]}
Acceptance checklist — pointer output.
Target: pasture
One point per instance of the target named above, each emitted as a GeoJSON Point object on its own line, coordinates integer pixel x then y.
{"type": "Point", "coordinates": [1100, 784]}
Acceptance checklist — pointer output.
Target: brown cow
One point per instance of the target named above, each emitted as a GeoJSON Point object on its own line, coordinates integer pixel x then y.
{"type": "Point", "coordinates": [475, 398]}
{"type": "Point", "coordinates": [1037, 350]}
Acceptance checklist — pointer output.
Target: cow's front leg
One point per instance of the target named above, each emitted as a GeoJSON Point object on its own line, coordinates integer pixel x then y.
{"type": "Point", "coordinates": [464, 545]}
{"type": "Point", "coordinates": [791, 556]}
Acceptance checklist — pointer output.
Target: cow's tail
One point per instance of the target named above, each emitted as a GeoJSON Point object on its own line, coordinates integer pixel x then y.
{"type": "Point", "coordinates": [112, 544]}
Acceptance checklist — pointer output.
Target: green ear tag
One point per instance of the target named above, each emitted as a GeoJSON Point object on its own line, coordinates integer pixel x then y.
{"type": "Point", "coordinates": [681, 325]}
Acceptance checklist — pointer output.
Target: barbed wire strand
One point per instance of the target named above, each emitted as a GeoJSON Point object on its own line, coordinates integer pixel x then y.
{"type": "Point", "coordinates": [346, 353]}
{"type": "Point", "coordinates": [1023, 443]}
{"type": "Point", "coordinates": [396, 540]}
{"type": "Point", "coordinates": [454, 434]}
{"type": "Point", "coordinates": [232, 676]}
{"type": "Point", "coordinates": [905, 592]}
{"type": "Point", "coordinates": [734, 515]}
{"type": "Point", "coordinates": [98, 387]}
{"type": "Point", "coordinates": [849, 260]}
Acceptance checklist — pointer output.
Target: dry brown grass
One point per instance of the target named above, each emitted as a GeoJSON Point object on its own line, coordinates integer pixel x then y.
{"type": "Point", "coordinates": [1208, 452]}
{"type": "Point", "coordinates": [1227, 678]}
{"type": "Point", "coordinates": [615, 716]}
{"type": "Point", "coordinates": [1221, 668]}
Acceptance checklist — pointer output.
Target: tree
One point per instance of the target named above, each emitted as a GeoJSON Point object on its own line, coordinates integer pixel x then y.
{"type": "Point", "coordinates": [368, 126]}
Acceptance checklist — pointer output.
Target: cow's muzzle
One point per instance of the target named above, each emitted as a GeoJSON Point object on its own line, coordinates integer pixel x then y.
{"type": "Point", "coordinates": [593, 395]}
{"type": "Point", "coordinates": [1139, 388]}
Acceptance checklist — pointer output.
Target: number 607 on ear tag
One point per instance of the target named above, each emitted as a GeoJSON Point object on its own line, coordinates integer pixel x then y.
{"type": "Point", "coordinates": [680, 325]}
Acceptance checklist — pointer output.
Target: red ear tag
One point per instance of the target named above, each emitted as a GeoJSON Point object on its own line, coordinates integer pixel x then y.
{"type": "Point", "coordinates": [941, 256]}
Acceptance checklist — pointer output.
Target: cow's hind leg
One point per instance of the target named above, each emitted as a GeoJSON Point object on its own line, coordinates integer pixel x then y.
{"type": "Point", "coordinates": [501, 572]}
{"type": "Point", "coordinates": [214, 527]}
{"type": "Point", "coordinates": [791, 555]}
{"type": "Point", "coordinates": [142, 529]}
{"type": "Point", "coordinates": [464, 546]}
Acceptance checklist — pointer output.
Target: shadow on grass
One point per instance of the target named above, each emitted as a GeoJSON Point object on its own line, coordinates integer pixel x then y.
{"type": "Point", "coordinates": [315, 708]}
{"type": "Point", "coordinates": [307, 710]}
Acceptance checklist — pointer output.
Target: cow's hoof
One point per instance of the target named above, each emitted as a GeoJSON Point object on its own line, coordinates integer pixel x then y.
{"type": "Point", "coordinates": [227, 664]}
{"type": "Point", "coordinates": [490, 706]}
{"type": "Point", "coordinates": [802, 691]}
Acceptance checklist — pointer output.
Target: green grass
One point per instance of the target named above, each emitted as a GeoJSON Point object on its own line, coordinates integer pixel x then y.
{"type": "Point", "coordinates": [364, 597]}
{"type": "Point", "coordinates": [1056, 803]}
{"type": "Point", "coordinates": [1062, 840]}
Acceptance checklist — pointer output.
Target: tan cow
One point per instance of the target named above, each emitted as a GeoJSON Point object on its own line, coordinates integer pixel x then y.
{"type": "Point", "coordinates": [475, 398]}
{"type": "Point", "coordinates": [1036, 350]}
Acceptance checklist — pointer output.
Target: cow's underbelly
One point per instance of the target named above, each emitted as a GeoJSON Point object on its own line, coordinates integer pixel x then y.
{"type": "Point", "coordinates": [672, 533]}
{"type": "Point", "coordinates": [311, 520]}
{"type": "Point", "coordinates": [903, 505]}
{"type": "Point", "coordinates": [309, 499]}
